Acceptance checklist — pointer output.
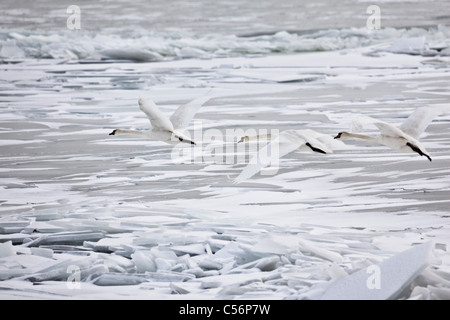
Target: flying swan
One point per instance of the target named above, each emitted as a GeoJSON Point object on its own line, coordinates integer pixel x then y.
{"type": "Point", "coordinates": [402, 138]}
{"type": "Point", "coordinates": [286, 142]}
{"type": "Point", "coordinates": [169, 130]}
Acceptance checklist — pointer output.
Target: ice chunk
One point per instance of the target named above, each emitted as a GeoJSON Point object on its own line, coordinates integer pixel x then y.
{"type": "Point", "coordinates": [93, 271]}
{"type": "Point", "coordinates": [116, 261]}
{"type": "Point", "coordinates": [163, 264]}
{"type": "Point", "coordinates": [132, 54]}
{"type": "Point", "coordinates": [115, 279]}
{"type": "Point", "coordinates": [9, 230]}
{"type": "Point", "coordinates": [268, 263]}
{"type": "Point", "coordinates": [336, 272]}
{"type": "Point", "coordinates": [239, 279]}
{"type": "Point", "coordinates": [232, 250]}
{"type": "Point", "coordinates": [8, 227]}
{"type": "Point", "coordinates": [419, 293]}
{"type": "Point", "coordinates": [272, 245]}
{"type": "Point", "coordinates": [196, 272]}
{"type": "Point", "coordinates": [192, 249]}
{"type": "Point", "coordinates": [177, 289]}
{"type": "Point", "coordinates": [68, 238]}
{"type": "Point", "coordinates": [431, 277]}
{"type": "Point", "coordinates": [208, 264]}
{"type": "Point", "coordinates": [168, 276]}
{"type": "Point", "coordinates": [440, 293]}
{"type": "Point", "coordinates": [42, 252]}
{"type": "Point", "coordinates": [190, 52]}
{"type": "Point", "coordinates": [12, 273]}
{"type": "Point", "coordinates": [61, 271]}
{"type": "Point", "coordinates": [445, 52]}
{"type": "Point", "coordinates": [414, 46]}
{"type": "Point", "coordinates": [11, 51]}
{"type": "Point", "coordinates": [6, 249]}
{"type": "Point", "coordinates": [383, 281]}
{"type": "Point", "coordinates": [211, 284]}
{"type": "Point", "coordinates": [143, 261]}
{"type": "Point", "coordinates": [16, 238]}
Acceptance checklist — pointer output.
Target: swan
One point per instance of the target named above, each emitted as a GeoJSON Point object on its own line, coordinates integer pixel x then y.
{"type": "Point", "coordinates": [169, 130]}
{"type": "Point", "coordinates": [402, 138]}
{"type": "Point", "coordinates": [286, 142]}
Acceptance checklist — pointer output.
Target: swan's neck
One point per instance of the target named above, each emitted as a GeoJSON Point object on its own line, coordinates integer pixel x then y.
{"type": "Point", "coordinates": [124, 131]}
{"type": "Point", "coordinates": [345, 134]}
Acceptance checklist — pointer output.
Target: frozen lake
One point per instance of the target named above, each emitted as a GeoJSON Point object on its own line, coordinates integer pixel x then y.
{"type": "Point", "coordinates": [87, 215]}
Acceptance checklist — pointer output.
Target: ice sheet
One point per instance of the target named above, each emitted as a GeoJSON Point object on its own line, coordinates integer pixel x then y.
{"type": "Point", "coordinates": [88, 215]}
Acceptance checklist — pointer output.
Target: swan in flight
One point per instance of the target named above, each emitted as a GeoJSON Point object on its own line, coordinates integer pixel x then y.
{"type": "Point", "coordinates": [402, 138]}
{"type": "Point", "coordinates": [286, 142]}
{"type": "Point", "coordinates": [169, 130]}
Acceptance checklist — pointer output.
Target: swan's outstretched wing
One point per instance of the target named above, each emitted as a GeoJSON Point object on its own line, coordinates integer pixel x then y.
{"type": "Point", "coordinates": [390, 130]}
{"type": "Point", "coordinates": [316, 141]}
{"type": "Point", "coordinates": [184, 114]}
{"type": "Point", "coordinates": [419, 120]}
{"type": "Point", "coordinates": [158, 120]}
{"type": "Point", "coordinates": [283, 144]}
{"type": "Point", "coordinates": [385, 128]}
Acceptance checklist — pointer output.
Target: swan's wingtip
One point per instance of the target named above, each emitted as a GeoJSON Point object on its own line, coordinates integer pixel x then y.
{"type": "Point", "coordinates": [113, 132]}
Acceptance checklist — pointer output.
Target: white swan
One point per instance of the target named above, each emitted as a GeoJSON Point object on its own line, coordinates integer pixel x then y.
{"type": "Point", "coordinates": [283, 144]}
{"type": "Point", "coordinates": [402, 138]}
{"type": "Point", "coordinates": [169, 130]}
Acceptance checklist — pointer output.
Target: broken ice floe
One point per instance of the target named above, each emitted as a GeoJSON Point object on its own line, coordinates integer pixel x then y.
{"type": "Point", "coordinates": [382, 281]}
{"type": "Point", "coordinates": [86, 216]}
{"type": "Point", "coordinates": [242, 264]}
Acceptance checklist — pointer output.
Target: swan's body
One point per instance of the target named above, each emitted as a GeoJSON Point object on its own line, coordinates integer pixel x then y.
{"type": "Point", "coordinates": [283, 144]}
{"type": "Point", "coordinates": [402, 138]}
{"type": "Point", "coordinates": [169, 130]}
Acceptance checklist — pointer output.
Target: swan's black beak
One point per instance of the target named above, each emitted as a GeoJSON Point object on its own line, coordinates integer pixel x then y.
{"type": "Point", "coordinates": [113, 133]}
{"type": "Point", "coordinates": [338, 135]}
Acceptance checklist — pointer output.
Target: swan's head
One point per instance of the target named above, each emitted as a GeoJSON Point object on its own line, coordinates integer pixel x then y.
{"type": "Point", "coordinates": [339, 135]}
{"type": "Point", "coordinates": [343, 134]}
{"type": "Point", "coordinates": [244, 139]}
